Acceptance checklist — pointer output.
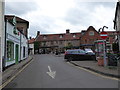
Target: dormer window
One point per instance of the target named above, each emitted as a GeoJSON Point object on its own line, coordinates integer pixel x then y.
{"type": "Point", "coordinates": [61, 36]}
{"type": "Point", "coordinates": [74, 35]}
{"type": "Point", "coordinates": [91, 33]}
{"type": "Point", "coordinates": [44, 37]}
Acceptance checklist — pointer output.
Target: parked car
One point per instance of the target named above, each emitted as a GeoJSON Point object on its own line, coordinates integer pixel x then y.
{"type": "Point", "coordinates": [79, 55]}
{"type": "Point", "coordinates": [88, 50]}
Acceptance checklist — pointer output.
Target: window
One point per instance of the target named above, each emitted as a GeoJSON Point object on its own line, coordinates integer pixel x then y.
{"type": "Point", "coordinates": [61, 36]}
{"type": "Point", "coordinates": [60, 42]}
{"type": "Point", "coordinates": [44, 37]}
{"type": "Point", "coordinates": [51, 42]}
{"type": "Point", "coordinates": [23, 51]}
{"type": "Point", "coordinates": [10, 51]}
{"type": "Point", "coordinates": [74, 35]}
{"type": "Point", "coordinates": [91, 33]}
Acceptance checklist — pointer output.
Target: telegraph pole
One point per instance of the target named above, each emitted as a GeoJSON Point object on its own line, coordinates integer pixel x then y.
{"type": "Point", "coordinates": [1, 33]}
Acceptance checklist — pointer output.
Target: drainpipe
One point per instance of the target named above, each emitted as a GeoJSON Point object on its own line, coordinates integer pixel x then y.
{"type": "Point", "coordinates": [20, 45]}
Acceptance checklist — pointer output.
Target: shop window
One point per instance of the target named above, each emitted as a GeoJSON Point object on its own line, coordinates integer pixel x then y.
{"type": "Point", "coordinates": [10, 51]}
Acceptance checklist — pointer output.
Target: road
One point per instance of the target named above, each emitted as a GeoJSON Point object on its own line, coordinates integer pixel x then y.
{"type": "Point", "coordinates": [67, 76]}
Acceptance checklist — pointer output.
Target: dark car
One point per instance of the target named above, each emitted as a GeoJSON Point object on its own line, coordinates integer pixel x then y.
{"type": "Point", "coordinates": [79, 55]}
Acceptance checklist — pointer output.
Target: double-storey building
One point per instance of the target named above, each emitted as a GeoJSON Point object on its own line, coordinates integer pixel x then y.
{"type": "Point", "coordinates": [16, 42]}
{"type": "Point", "coordinates": [53, 42]}
{"type": "Point", "coordinates": [63, 41]}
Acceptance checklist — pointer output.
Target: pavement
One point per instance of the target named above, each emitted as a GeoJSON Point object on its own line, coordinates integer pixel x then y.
{"type": "Point", "coordinates": [12, 70]}
{"type": "Point", "coordinates": [112, 71]}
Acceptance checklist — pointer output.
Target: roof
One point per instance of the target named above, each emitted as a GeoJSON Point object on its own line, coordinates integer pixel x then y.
{"type": "Point", "coordinates": [65, 36]}
{"type": "Point", "coordinates": [31, 41]}
{"type": "Point", "coordinates": [18, 19]}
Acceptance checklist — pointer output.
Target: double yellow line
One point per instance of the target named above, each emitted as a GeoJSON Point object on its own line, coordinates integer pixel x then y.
{"type": "Point", "coordinates": [8, 81]}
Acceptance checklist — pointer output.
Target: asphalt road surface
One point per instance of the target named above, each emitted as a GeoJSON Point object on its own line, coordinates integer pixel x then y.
{"type": "Point", "coordinates": [64, 75]}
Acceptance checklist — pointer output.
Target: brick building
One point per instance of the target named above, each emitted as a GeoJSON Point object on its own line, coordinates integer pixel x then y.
{"type": "Point", "coordinates": [52, 42]}
{"type": "Point", "coordinates": [88, 37]}
{"type": "Point", "coordinates": [83, 39]}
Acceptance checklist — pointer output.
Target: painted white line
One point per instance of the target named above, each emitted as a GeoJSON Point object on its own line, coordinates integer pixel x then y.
{"type": "Point", "coordinates": [51, 73]}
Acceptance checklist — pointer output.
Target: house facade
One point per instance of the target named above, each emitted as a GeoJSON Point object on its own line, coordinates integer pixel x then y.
{"type": "Point", "coordinates": [31, 46]}
{"type": "Point", "coordinates": [117, 22]}
{"type": "Point", "coordinates": [53, 42]}
{"type": "Point", "coordinates": [12, 44]}
{"type": "Point", "coordinates": [63, 41]}
{"type": "Point", "coordinates": [24, 47]}
{"type": "Point", "coordinates": [88, 37]}
{"type": "Point", "coordinates": [20, 23]}
{"type": "Point", "coordinates": [16, 42]}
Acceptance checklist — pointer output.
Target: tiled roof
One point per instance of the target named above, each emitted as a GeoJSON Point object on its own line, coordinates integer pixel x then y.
{"type": "Point", "coordinates": [64, 36]}
{"type": "Point", "coordinates": [31, 41]}
{"type": "Point", "coordinates": [10, 17]}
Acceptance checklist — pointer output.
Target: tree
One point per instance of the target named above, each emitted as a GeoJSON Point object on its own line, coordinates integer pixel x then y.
{"type": "Point", "coordinates": [36, 46]}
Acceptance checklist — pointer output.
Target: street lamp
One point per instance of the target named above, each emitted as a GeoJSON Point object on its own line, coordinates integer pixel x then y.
{"type": "Point", "coordinates": [104, 46]}
{"type": "Point", "coordinates": [104, 27]}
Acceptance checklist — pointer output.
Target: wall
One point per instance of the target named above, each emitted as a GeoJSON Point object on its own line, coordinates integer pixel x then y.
{"type": "Point", "coordinates": [24, 43]}
{"type": "Point", "coordinates": [32, 46]}
{"type": "Point", "coordinates": [10, 36]}
{"type": "Point", "coordinates": [24, 25]}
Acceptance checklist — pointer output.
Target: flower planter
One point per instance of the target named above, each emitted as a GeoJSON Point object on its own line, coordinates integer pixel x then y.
{"type": "Point", "coordinates": [100, 61]}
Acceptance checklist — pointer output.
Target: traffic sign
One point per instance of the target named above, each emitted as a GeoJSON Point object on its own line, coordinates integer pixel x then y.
{"type": "Point", "coordinates": [103, 35]}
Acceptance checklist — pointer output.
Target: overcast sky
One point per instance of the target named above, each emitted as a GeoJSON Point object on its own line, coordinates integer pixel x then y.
{"type": "Point", "coordinates": [55, 16]}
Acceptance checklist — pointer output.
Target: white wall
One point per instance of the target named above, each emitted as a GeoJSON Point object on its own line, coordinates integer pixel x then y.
{"type": "Point", "coordinates": [10, 36]}
{"type": "Point", "coordinates": [31, 46]}
{"type": "Point", "coordinates": [24, 43]}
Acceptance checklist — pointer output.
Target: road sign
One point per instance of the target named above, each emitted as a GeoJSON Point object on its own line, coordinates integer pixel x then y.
{"type": "Point", "coordinates": [103, 35]}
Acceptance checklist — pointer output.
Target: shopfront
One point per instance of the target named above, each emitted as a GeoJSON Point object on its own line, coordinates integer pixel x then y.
{"type": "Point", "coordinates": [12, 45]}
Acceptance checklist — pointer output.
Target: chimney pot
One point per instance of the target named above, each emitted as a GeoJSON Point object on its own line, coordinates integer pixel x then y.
{"type": "Point", "coordinates": [38, 32]}
{"type": "Point", "coordinates": [67, 31]}
{"type": "Point", "coordinates": [30, 38]}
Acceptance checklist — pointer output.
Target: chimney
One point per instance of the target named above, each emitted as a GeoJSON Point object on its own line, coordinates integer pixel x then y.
{"type": "Point", "coordinates": [30, 38]}
{"type": "Point", "coordinates": [67, 31]}
{"type": "Point", "coordinates": [38, 32]}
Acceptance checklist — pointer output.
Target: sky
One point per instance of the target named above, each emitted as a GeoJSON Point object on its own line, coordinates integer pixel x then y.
{"type": "Point", "coordinates": [55, 16]}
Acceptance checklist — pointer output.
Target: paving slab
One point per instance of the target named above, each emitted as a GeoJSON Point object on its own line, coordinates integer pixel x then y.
{"type": "Point", "coordinates": [92, 65]}
{"type": "Point", "coordinates": [12, 70]}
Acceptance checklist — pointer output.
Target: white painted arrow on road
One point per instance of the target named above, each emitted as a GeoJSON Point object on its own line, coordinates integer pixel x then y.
{"type": "Point", "coordinates": [51, 73]}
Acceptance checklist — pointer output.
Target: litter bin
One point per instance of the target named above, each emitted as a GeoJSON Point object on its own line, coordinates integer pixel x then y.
{"type": "Point", "coordinates": [112, 60]}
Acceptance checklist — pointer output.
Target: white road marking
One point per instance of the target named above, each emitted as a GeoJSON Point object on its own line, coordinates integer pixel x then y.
{"type": "Point", "coordinates": [51, 73]}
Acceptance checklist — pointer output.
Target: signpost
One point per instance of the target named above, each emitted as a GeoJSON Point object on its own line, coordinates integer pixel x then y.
{"type": "Point", "coordinates": [104, 35]}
